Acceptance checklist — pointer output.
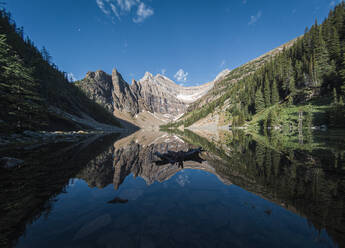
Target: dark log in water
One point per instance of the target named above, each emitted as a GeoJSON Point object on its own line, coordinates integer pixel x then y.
{"type": "Point", "coordinates": [179, 157]}
{"type": "Point", "coordinates": [118, 200]}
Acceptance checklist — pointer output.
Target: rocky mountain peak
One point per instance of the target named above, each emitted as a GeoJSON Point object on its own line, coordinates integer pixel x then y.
{"type": "Point", "coordinates": [165, 80]}
{"type": "Point", "coordinates": [147, 77]}
{"type": "Point", "coordinates": [118, 82]}
{"type": "Point", "coordinates": [90, 74]}
{"type": "Point", "coordinates": [122, 95]}
{"type": "Point", "coordinates": [160, 76]}
{"type": "Point", "coordinates": [98, 76]}
{"type": "Point", "coordinates": [135, 87]}
{"type": "Point", "coordinates": [157, 94]}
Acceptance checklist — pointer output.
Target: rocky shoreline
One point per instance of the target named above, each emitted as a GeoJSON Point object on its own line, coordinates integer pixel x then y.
{"type": "Point", "coordinates": [32, 140]}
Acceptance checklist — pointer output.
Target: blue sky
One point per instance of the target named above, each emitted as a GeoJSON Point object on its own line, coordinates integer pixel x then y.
{"type": "Point", "coordinates": [189, 41]}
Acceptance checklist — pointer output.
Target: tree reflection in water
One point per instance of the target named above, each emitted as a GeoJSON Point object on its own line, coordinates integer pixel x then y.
{"type": "Point", "coordinates": [307, 180]}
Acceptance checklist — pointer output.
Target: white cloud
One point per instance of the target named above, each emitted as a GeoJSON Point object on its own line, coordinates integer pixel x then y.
{"type": "Point", "coordinates": [71, 77]}
{"type": "Point", "coordinates": [181, 75]}
{"type": "Point", "coordinates": [101, 5]}
{"type": "Point", "coordinates": [334, 2]}
{"type": "Point", "coordinates": [114, 9]}
{"type": "Point", "coordinates": [256, 18]}
{"type": "Point", "coordinates": [163, 71]}
{"type": "Point", "coordinates": [143, 12]}
{"type": "Point", "coordinates": [118, 8]}
{"type": "Point", "coordinates": [126, 5]}
{"type": "Point", "coordinates": [222, 63]}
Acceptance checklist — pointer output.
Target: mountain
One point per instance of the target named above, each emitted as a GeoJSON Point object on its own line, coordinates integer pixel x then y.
{"type": "Point", "coordinates": [234, 76]}
{"type": "Point", "coordinates": [298, 85]}
{"type": "Point", "coordinates": [216, 99]}
{"type": "Point", "coordinates": [153, 100]}
{"type": "Point", "coordinates": [35, 94]}
{"type": "Point", "coordinates": [111, 91]}
{"type": "Point", "coordinates": [162, 95]}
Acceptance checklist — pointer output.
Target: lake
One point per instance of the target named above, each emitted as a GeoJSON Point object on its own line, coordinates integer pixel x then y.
{"type": "Point", "coordinates": [114, 191]}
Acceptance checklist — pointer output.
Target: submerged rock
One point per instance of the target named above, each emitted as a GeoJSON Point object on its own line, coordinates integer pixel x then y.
{"type": "Point", "coordinates": [8, 163]}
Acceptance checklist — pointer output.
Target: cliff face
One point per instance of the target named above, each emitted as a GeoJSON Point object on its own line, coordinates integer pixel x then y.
{"type": "Point", "coordinates": [157, 95]}
{"type": "Point", "coordinates": [98, 87]}
{"type": "Point", "coordinates": [110, 91]}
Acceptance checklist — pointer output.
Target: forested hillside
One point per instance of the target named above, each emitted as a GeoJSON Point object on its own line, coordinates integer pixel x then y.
{"type": "Point", "coordinates": [309, 73]}
{"type": "Point", "coordinates": [32, 88]}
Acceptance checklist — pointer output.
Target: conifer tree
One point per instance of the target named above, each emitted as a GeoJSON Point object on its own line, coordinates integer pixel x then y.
{"type": "Point", "coordinates": [321, 58]}
{"type": "Point", "coordinates": [342, 75]}
{"type": "Point", "coordinates": [46, 56]}
{"type": "Point", "coordinates": [311, 70]}
{"type": "Point", "coordinates": [272, 118]}
{"type": "Point", "coordinates": [275, 93]}
{"type": "Point", "coordinates": [259, 101]}
{"type": "Point", "coordinates": [267, 92]}
{"type": "Point", "coordinates": [292, 87]}
{"type": "Point", "coordinates": [334, 48]}
{"type": "Point", "coordinates": [22, 103]}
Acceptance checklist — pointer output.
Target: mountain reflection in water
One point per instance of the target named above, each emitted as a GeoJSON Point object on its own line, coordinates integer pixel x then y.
{"type": "Point", "coordinates": [249, 191]}
{"type": "Point", "coordinates": [136, 155]}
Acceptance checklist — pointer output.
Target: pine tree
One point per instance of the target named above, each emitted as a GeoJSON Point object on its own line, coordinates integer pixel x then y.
{"type": "Point", "coordinates": [292, 87]}
{"type": "Point", "coordinates": [46, 56]}
{"type": "Point", "coordinates": [272, 118]}
{"type": "Point", "coordinates": [259, 101]}
{"type": "Point", "coordinates": [275, 93]}
{"type": "Point", "coordinates": [311, 70]}
{"type": "Point", "coordinates": [267, 92]}
{"type": "Point", "coordinates": [20, 96]}
{"type": "Point", "coordinates": [322, 65]}
{"type": "Point", "coordinates": [334, 48]}
{"type": "Point", "coordinates": [342, 75]}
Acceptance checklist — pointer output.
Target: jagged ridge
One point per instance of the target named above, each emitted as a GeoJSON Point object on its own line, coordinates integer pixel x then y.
{"type": "Point", "coordinates": [155, 94]}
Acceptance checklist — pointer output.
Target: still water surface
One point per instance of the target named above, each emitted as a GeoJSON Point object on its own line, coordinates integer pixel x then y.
{"type": "Point", "coordinates": [244, 194]}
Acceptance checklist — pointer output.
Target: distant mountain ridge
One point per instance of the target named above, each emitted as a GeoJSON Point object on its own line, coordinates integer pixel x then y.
{"type": "Point", "coordinates": [158, 94]}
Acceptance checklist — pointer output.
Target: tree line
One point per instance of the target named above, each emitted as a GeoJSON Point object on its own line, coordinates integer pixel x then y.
{"type": "Point", "coordinates": [30, 83]}
{"type": "Point", "coordinates": [313, 67]}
